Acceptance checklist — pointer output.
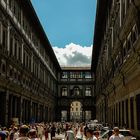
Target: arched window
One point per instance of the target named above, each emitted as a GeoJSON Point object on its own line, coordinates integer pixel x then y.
{"type": "Point", "coordinates": [64, 91]}
{"type": "Point", "coordinates": [76, 91]}
{"type": "Point", "coordinates": [64, 74]}
{"type": "Point", "coordinates": [88, 91]}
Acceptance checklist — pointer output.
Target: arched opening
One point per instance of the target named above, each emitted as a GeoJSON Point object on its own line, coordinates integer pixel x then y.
{"type": "Point", "coordinates": [87, 115]}
{"type": "Point", "coordinates": [76, 111]}
{"type": "Point", "coordinates": [63, 115]}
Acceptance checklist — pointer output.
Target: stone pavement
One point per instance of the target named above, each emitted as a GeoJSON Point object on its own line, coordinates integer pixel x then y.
{"type": "Point", "coordinates": [60, 137]}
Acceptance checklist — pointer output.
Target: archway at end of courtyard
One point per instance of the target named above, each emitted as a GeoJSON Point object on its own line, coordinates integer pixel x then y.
{"type": "Point", "coordinates": [77, 112]}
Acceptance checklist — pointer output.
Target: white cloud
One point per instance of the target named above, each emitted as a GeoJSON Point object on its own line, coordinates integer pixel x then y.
{"type": "Point", "coordinates": [74, 55]}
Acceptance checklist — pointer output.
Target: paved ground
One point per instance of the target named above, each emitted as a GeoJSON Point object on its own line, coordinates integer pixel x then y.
{"type": "Point", "coordinates": [59, 137]}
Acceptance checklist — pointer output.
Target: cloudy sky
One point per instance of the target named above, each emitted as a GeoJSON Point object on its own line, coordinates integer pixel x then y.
{"type": "Point", "coordinates": [69, 25]}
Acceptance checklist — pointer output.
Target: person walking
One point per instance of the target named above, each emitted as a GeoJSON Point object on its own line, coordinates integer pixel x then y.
{"type": "Point", "coordinates": [89, 134]}
{"type": "Point", "coordinates": [23, 132]}
{"type": "Point", "coordinates": [53, 130]}
{"type": "Point", "coordinates": [33, 134]}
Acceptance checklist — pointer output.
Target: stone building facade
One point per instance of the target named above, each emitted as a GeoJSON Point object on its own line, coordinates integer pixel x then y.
{"type": "Point", "coordinates": [116, 63]}
{"type": "Point", "coordinates": [28, 74]}
{"type": "Point", "coordinates": [75, 86]}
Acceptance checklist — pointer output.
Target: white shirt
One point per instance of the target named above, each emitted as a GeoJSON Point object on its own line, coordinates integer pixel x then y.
{"type": "Point", "coordinates": [119, 137]}
{"type": "Point", "coordinates": [70, 135]}
{"type": "Point", "coordinates": [92, 138]}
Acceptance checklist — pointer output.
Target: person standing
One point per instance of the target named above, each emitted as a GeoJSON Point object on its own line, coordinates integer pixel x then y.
{"type": "Point", "coordinates": [70, 134]}
{"type": "Point", "coordinates": [85, 129]}
{"type": "Point", "coordinates": [53, 130]}
{"type": "Point", "coordinates": [116, 135]}
{"type": "Point", "coordinates": [46, 132]}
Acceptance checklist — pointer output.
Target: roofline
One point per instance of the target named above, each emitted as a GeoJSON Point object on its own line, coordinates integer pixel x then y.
{"type": "Point", "coordinates": [98, 32]}
{"type": "Point", "coordinates": [77, 68]}
{"type": "Point", "coordinates": [39, 28]}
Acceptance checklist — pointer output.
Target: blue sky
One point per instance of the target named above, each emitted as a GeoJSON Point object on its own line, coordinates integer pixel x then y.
{"type": "Point", "coordinates": [69, 24]}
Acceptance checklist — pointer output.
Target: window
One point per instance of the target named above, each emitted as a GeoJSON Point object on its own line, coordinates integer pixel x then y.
{"type": "Point", "coordinates": [71, 75]}
{"type": "Point", "coordinates": [11, 46]}
{"type": "Point", "coordinates": [19, 52]}
{"type": "Point", "coordinates": [76, 74]}
{"type": "Point", "coordinates": [41, 73]}
{"type": "Point", "coordinates": [4, 37]}
{"type": "Point", "coordinates": [76, 91]}
{"type": "Point", "coordinates": [11, 4]}
{"type": "Point", "coordinates": [16, 47]}
{"type": "Point", "coordinates": [11, 72]}
{"type": "Point", "coordinates": [88, 92]}
{"type": "Point", "coordinates": [64, 91]}
{"type": "Point", "coordinates": [15, 74]}
{"type": "Point", "coordinates": [27, 60]}
{"type": "Point", "coordinates": [134, 34]}
{"type": "Point", "coordinates": [123, 11]}
{"type": "Point", "coordinates": [64, 74]}
{"type": "Point", "coordinates": [128, 42]}
{"type": "Point", "coordinates": [124, 49]}
{"type": "Point", "coordinates": [128, 4]}
{"type": "Point", "coordinates": [19, 76]}
{"type": "Point", "coordinates": [87, 75]}
{"type": "Point", "coordinates": [3, 68]}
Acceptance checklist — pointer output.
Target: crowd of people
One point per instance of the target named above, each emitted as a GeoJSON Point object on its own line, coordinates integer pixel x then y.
{"type": "Point", "coordinates": [42, 131]}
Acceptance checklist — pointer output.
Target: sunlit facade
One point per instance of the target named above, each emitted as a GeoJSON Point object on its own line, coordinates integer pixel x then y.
{"type": "Point", "coordinates": [116, 62]}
